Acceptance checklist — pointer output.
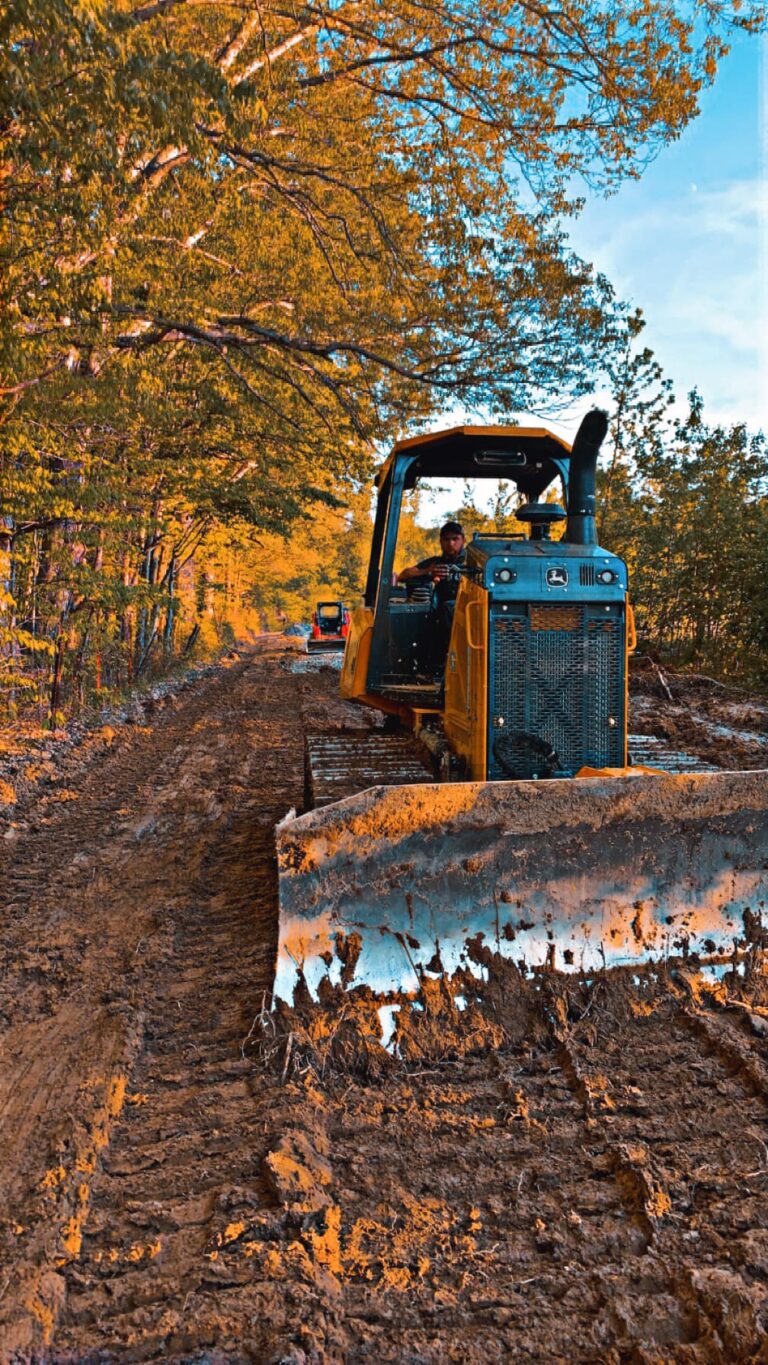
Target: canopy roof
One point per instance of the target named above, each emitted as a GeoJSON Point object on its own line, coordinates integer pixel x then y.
{"type": "Point", "coordinates": [530, 457]}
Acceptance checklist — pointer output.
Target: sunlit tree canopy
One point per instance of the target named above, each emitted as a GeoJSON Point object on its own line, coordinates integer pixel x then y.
{"type": "Point", "coordinates": [244, 245]}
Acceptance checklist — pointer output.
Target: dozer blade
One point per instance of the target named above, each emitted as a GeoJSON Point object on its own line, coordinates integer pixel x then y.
{"type": "Point", "coordinates": [571, 874]}
{"type": "Point", "coordinates": [323, 646]}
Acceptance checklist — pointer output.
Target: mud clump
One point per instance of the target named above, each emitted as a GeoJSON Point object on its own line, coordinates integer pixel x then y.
{"type": "Point", "coordinates": [340, 1033]}
{"type": "Point", "coordinates": [297, 1173]}
{"type": "Point", "coordinates": [448, 1024]}
{"type": "Point", "coordinates": [495, 1005]}
{"type": "Point", "coordinates": [355, 1032]}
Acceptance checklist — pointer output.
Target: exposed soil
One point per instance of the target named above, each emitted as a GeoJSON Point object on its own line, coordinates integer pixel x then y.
{"type": "Point", "coordinates": [562, 1171]}
{"type": "Point", "coordinates": [723, 725]}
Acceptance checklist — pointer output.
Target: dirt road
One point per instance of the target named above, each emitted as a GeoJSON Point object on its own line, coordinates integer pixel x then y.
{"type": "Point", "coordinates": [178, 1181]}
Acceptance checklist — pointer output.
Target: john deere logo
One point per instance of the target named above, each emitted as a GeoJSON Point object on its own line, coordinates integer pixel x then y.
{"type": "Point", "coordinates": [557, 577]}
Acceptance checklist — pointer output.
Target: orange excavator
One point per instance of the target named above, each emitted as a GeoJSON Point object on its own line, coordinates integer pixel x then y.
{"type": "Point", "coordinates": [498, 805]}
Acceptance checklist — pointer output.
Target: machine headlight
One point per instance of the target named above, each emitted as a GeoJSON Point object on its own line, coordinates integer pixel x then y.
{"type": "Point", "coordinates": [505, 575]}
{"type": "Point", "coordinates": [606, 576]}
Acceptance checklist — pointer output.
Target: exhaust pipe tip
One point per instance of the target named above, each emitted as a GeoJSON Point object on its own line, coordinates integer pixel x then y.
{"type": "Point", "coordinates": [580, 527]}
{"type": "Point", "coordinates": [592, 429]}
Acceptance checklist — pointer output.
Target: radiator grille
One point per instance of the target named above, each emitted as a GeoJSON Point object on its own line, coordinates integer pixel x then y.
{"type": "Point", "coordinates": [587, 575]}
{"type": "Point", "coordinates": [557, 675]}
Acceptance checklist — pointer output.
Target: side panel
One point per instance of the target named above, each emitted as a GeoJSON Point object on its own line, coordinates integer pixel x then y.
{"type": "Point", "coordinates": [466, 680]}
{"type": "Point", "coordinates": [357, 653]}
{"type": "Point", "coordinates": [379, 656]}
{"type": "Point", "coordinates": [631, 646]}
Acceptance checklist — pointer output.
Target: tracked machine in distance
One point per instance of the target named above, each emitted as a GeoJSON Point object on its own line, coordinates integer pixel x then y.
{"type": "Point", "coordinates": [497, 808]}
{"type": "Point", "coordinates": [330, 627]}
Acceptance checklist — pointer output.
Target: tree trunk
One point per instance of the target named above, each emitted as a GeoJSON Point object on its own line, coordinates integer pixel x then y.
{"type": "Point", "coordinates": [58, 672]}
{"type": "Point", "coordinates": [171, 609]}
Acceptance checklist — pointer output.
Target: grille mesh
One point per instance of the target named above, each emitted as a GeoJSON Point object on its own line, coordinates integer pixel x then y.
{"type": "Point", "coordinates": [558, 674]}
{"type": "Point", "coordinates": [555, 618]}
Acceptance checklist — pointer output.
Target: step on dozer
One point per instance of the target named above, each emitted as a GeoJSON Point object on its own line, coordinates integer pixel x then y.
{"type": "Point", "coordinates": [536, 839]}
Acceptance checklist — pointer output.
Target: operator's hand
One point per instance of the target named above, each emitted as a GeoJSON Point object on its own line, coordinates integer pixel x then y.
{"type": "Point", "coordinates": [439, 571]}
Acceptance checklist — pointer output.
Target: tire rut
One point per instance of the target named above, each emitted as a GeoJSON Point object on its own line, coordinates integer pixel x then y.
{"type": "Point", "coordinates": [662, 1107]}
{"type": "Point", "coordinates": [161, 941]}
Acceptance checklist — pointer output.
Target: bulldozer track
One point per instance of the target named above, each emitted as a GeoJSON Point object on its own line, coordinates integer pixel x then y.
{"type": "Point", "coordinates": [344, 763]}
{"type": "Point", "coordinates": [651, 751]}
{"type": "Point", "coordinates": [339, 765]}
{"type": "Point", "coordinates": [592, 1190]}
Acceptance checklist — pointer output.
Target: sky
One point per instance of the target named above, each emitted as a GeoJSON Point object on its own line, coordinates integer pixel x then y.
{"type": "Point", "coordinates": [688, 244]}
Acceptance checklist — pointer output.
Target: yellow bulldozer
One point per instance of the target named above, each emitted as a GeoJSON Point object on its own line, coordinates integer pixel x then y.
{"type": "Point", "coordinates": [497, 807]}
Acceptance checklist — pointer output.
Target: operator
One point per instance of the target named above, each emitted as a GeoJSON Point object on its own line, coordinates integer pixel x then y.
{"type": "Point", "coordinates": [444, 571]}
{"type": "Point", "coordinates": [436, 567]}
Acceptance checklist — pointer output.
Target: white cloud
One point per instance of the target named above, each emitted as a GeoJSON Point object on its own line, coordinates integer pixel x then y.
{"type": "Point", "coordinates": [697, 264]}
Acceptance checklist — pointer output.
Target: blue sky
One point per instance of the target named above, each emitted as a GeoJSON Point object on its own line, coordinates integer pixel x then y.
{"type": "Point", "coordinates": [688, 243]}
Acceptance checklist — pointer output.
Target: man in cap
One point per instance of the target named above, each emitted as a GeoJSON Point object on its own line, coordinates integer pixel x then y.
{"type": "Point", "coordinates": [440, 576]}
{"type": "Point", "coordinates": [437, 569]}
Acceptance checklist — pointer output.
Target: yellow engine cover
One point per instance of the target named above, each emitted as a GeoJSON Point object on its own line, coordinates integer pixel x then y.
{"type": "Point", "coordinates": [357, 653]}
{"type": "Point", "coordinates": [466, 680]}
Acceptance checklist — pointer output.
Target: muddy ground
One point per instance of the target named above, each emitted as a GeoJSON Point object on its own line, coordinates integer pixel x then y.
{"type": "Point", "coordinates": [723, 725]}
{"type": "Point", "coordinates": [578, 1172]}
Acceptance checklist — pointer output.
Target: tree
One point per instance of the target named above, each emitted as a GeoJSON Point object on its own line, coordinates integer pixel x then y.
{"type": "Point", "coordinates": [706, 545]}
{"type": "Point", "coordinates": [688, 510]}
{"type": "Point", "coordinates": [334, 205]}
{"type": "Point", "coordinates": [639, 429]}
{"type": "Point", "coordinates": [241, 247]}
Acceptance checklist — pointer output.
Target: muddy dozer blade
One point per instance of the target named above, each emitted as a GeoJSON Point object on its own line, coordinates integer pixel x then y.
{"type": "Point", "coordinates": [323, 646]}
{"type": "Point", "coordinates": [573, 874]}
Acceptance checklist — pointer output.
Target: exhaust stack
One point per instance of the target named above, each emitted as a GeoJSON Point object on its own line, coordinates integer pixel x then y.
{"type": "Point", "coordinates": [580, 528]}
